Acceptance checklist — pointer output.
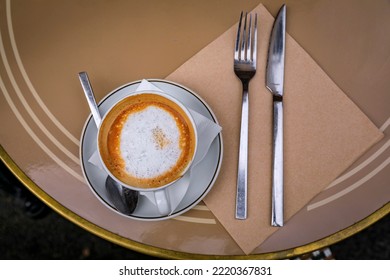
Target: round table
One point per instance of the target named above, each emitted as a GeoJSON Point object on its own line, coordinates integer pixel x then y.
{"type": "Point", "coordinates": [44, 44]}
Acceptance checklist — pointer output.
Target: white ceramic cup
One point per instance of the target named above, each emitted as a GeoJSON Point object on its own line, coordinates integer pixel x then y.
{"type": "Point", "coordinates": [160, 192]}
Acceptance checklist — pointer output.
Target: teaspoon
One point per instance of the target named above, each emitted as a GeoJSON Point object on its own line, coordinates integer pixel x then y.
{"type": "Point", "coordinates": [124, 199]}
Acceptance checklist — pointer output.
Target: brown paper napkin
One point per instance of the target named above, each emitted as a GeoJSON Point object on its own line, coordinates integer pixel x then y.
{"type": "Point", "coordinates": [324, 132]}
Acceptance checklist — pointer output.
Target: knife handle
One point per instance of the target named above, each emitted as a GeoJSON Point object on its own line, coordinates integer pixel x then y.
{"type": "Point", "coordinates": [242, 175]}
{"type": "Point", "coordinates": [277, 165]}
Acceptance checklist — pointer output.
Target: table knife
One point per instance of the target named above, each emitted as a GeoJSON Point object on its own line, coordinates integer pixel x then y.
{"type": "Point", "coordinates": [275, 83]}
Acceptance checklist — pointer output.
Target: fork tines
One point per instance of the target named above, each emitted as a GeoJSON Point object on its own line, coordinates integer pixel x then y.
{"type": "Point", "coordinates": [244, 51]}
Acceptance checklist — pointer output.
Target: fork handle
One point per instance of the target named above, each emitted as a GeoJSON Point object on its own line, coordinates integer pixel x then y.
{"type": "Point", "coordinates": [242, 175]}
{"type": "Point", "coordinates": [277, 165]}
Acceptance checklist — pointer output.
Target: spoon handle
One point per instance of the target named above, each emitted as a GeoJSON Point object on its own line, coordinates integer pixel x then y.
{"type": "Point", "coordinates": [90, 97]}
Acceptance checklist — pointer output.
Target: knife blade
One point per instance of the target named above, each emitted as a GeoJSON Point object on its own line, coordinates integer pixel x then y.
{"type": "Point", "coordinates": [275, 84]}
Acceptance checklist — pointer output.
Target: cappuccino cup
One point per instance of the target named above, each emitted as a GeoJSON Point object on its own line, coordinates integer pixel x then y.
{"type": "Point", "coordinates": [146, 142]}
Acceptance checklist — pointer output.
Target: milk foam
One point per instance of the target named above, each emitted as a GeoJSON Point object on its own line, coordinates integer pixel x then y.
{"type": "Point", "coordinates": [150, 142]}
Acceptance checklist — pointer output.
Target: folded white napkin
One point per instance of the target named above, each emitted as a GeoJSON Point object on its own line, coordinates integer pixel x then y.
{"type": "Point", "coordinates": [207, 131]}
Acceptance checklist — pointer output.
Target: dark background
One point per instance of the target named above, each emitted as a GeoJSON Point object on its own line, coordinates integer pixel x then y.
{"type": "Point", "coordinates": [31, 230]}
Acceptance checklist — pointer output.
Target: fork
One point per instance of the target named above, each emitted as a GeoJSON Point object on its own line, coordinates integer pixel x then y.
{"type": "Point", "coordinates": [245, 55]}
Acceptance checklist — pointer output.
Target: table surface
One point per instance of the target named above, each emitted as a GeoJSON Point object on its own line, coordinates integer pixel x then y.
{"type": "Point", "coordinates": [44, 44]}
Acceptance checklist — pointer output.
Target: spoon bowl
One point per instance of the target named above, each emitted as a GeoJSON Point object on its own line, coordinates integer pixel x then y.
{"type": "Point", "coordinates": [124, 199]}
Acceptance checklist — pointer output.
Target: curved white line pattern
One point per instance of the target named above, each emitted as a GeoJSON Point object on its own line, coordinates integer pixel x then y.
{"type": "Point", "coordinates": [201, 208]}
{"type": "Point", "coordinates": [27, 106]}
{"type": "Point", "coordinates": [34, 136]}
{"type": "Point", "coordinates": [350, 188]}
{"type": "Point", "coordinates": [385, 125]}
{"type": "Point", "coordinates": [364, 163]}
{"type": "Point", "coordinates": [380, 151]}
{"type": "Point", "coordinates": [195, 220]}
{"type": "Point", "coordinates": [360, 166]}
{"type": "Point", "coordinates": [27, 80]}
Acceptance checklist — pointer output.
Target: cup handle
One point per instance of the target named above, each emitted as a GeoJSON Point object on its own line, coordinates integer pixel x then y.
{"type": "Point", "coordinates": [162, 201]}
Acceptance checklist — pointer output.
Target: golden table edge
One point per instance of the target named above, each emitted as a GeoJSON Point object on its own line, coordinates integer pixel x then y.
{"type": "Point", "coordinates": [170, 254]}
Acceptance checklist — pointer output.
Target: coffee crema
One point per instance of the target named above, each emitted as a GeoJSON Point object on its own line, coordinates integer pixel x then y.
{"type": "Point", "coordinates": [147, 141]}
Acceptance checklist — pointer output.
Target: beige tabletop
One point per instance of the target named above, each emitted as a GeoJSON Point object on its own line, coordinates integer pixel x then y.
{"type": "Point", "coordinates": [44, 44]}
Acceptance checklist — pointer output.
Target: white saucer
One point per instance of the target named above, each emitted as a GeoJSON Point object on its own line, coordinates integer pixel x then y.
{"type": "Point", "coordinates": [203, 175]}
